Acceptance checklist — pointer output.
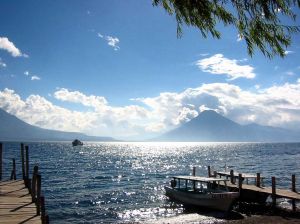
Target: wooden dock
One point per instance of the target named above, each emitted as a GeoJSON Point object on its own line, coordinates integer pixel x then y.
{"type": "Point", "coordinates": [16, 204]}
{"type": "Point", "coordinates": [21, 201]}
{"type": "Point", "coordinates": [256, 192]}
{"type": "Point", "coordinates": [280, 193]}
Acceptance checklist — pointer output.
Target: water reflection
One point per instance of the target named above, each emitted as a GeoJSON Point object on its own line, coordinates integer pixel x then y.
{"type": "Point", "coordinates": [123, 182]}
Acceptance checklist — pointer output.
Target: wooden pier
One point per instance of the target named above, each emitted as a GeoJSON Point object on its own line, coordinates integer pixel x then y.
{"type": "Point", "coordinates": [256, 192]}
{"type": "Point", "coordinates": [21, 201]}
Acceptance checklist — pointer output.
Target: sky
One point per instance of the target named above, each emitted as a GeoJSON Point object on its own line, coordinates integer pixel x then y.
{"type": "Point", "coordinates": [116, 68]}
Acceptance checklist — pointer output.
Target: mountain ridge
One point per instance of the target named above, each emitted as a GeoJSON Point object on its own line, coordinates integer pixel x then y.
{"type": "Point", "coordinates": [14, 129]}
{"type": "Point", "coordinates": [209, 126]}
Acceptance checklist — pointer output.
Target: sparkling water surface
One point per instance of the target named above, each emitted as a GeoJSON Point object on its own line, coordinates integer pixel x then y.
{"type": "Point", "coordinates": [124, 182]}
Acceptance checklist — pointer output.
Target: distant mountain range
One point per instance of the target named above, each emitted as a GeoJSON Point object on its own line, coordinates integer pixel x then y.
{"type": "Point", "coordinates": [210, 126]}
{"type": "Point", "coordinates": [14, 129]}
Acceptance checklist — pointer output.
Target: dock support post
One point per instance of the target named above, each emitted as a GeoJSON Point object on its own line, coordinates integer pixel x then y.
{"type": "Point", "coordinates": [194, 171]}
{"type": "Point", "coordinates": [43, 210]}
{"type": "Point", "coordinates": [13, 172]}
{"type": "Point", "coordinates": [33, 183]}
{"type": "Point", "coordinates": [27, 184]}
{"type": "Point", "coordinates": [231, 177]}
{"type": "Point", "coordinates": [273, 192]}
{"type": "Point", "coordinates": [294, 190]}
{"type": "Point", "coordinates": [1, 158]}
{"type": "Point", "coordinates": [47, 219]}
{"type": "Point", "coordinates": [38, 194]}
{"type": "Point", "coordinates": [257, 179]}
{"type": "Point", "coordinates": [240, 184]}
{"type": "Point", "coordinates": [208, 170]}
{"type": "Point", "coordinates": [215, 173]}
{"type": "Point", "coordinates": [22, 160]}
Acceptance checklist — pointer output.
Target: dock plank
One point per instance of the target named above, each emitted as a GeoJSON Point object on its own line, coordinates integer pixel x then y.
{"type": "Point", "coordinates": [16, 204]}
{"type": "Point", "coordinates": [280, 193]}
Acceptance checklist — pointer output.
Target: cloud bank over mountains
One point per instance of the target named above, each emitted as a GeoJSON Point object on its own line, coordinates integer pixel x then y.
{"type": "Point", "coordinates": [276, 106]}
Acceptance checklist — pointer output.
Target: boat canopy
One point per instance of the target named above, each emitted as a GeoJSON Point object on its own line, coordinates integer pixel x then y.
{"type": "Point", "coordinates": [200, 179]}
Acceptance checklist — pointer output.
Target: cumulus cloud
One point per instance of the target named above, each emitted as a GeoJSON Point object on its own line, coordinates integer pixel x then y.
{"type": "Point", "coordinates": [278, 105]}
{"type": "Point", "coordinates": [35, 77]}
{"type": "Point", "coordinates": [111, 41]}
{"type": "Point", "coordinates": [98, 102]}
{"type": "Point", "coordinates": [219, 65]}
{"type": "Point", "coordinates": [7, 45]}
{"type": "Point", "coordinates": [32, 77]}
{"type": "Point", "coordinates": [274, 106]}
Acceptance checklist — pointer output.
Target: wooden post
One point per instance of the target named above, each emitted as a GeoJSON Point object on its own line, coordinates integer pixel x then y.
{"type": "Point", "coordinates": [1, 158]}
{"type": "Point", "coordinates": [215, 173]}
{"type": "Point", "coordinates": [231, 177]}
{"type": "Point", "coordinates": [258, 179]}
{"type": "Point", "coordinates": [273, 191]}
{"type": "Point", "coordinates": [47, 219]}
{"type": "Point", "coordinates": [294, 190]}
{"type": "Point", "coordinates": [33, 183]}
{"type": "Point", "coordinates": [208, 170]}
{"type": "Point", "coordinates": [194, 174]}
{"type": "Point", "coordinates": [240, 184]}
{"type": "Point", "coordinates": [13, 172]}
{"type": "Point", "coordinates": [38, 194]}
{"type": "Point", "coordinates": [43, 210]}
{"type": "Point", "coordinates": [26, 167]}
{"type": "Point", "coordinates": [22, 159]}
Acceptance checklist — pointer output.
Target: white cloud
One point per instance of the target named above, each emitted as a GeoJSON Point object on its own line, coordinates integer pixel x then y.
{"type": "Point", "coordinates": [98, 102]}
{"type": "Point", "coordinates": [111, 41]}
{"type": "Point", "coordinates": [288, 52]}
{"type": "Point", "coordinates": [35, 77]}
{"type": "Point", "coordinates": [204, 54]}
{"type": "Point", "coordinates": [275, 106]}
{"type": "Point", "coordinates": [32, 77]}
{"type": "Point", "coordinates": [257, 86]}
{"type": "Point", "coordinates": [9, 46]}
{"type": "Point", "coordinates": [278, 105]}
{"type": "Point", "coordinates": [219, 65]}
{"type": "Point", "coordinates": [2, 63]}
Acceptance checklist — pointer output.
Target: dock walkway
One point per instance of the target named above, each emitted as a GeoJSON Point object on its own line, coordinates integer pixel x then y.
{"type": "Point", "coordinates": [280, 193]}
{"type": "Point", "coordinates": [16, 204]}
{"type": "Point", "coordinates": [21, 201]}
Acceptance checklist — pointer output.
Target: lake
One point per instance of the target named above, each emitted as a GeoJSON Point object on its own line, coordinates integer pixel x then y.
{"type": "Point", "coordinates": [123, 181]}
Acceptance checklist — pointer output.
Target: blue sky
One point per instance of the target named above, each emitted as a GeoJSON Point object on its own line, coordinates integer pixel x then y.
{"type": "Point", "coordinates": [117, 68]}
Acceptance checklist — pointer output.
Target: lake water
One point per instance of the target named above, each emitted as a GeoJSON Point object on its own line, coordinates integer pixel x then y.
{"type": "Point", "coordinates": [123, 182]}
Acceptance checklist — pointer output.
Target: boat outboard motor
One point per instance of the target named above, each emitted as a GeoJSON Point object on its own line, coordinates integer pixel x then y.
{"type": "Point", "coordinates": [173, 183]}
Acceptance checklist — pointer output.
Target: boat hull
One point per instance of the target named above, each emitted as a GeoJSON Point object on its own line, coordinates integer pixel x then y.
{"type": "Point", "coordinates": [216, 201]}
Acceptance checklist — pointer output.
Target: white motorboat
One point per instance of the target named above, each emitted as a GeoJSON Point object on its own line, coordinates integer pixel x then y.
{"type": "Point", "coordinates": [202, 191]}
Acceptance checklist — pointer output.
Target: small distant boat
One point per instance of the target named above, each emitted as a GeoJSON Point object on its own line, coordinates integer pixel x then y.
{"type": "Point", "coordinates": [76, 142]}
{"type": "Point", "coordinates": [204, 191]}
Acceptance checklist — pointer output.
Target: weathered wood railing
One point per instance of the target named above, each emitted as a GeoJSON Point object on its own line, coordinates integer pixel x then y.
{"type": "Point", "coordinates": [272, 191]}
{"type": "Point", "coordinates": [33, 185]}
